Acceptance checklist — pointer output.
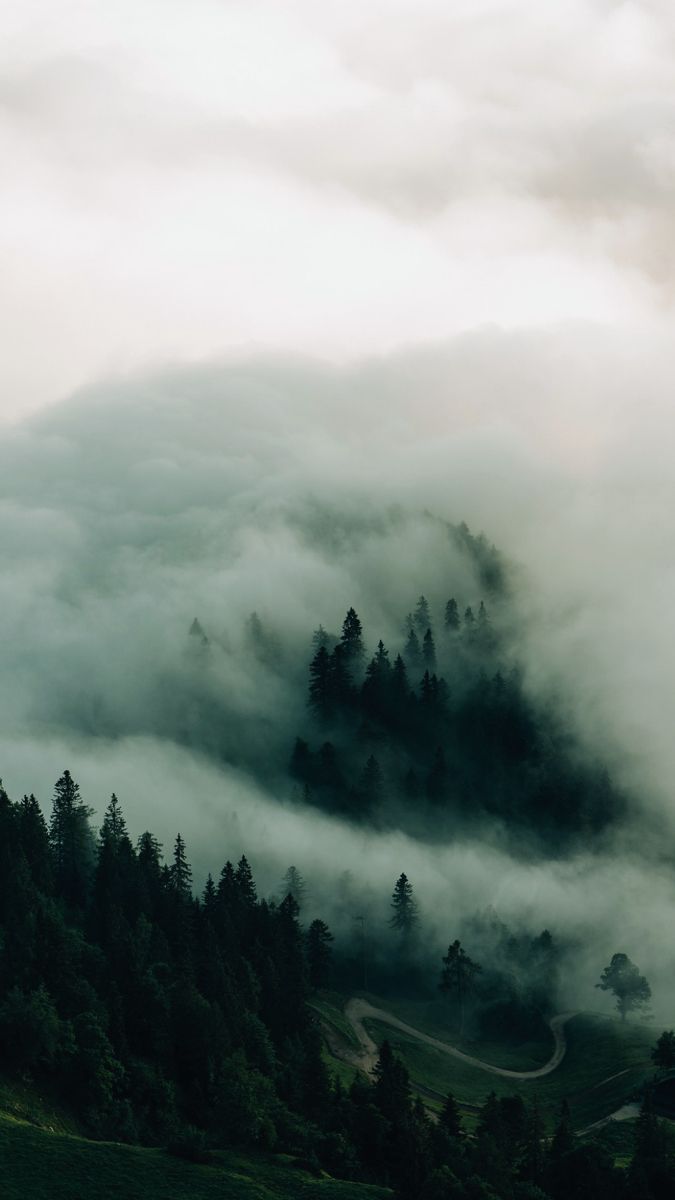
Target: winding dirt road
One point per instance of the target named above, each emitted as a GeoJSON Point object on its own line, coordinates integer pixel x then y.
{"type": "Point", "coordinates": [356, 1010]}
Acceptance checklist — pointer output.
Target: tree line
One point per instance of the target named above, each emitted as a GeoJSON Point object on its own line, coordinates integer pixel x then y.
{"type": "Point", "coordinates": [440, 729]}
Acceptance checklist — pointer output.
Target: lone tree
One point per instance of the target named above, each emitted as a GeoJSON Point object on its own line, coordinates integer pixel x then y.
{"type": "Point", "coordinates": [405, 915]}
{"type": "Point", "coordinates": [663, 1054]}
{"type": "Point", "coordinates": [457, 976]}
{"type": "Point", "coordinates": [630, 988]}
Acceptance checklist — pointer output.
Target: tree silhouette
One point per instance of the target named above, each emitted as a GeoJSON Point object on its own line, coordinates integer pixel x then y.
{"type": "Point", "coordinates": [457, 976]}
{"type": "Point", "coordinates": [405, 916]}
{"type": "Point", "coordinates": [451, 619]}
{"type": "Point", "coordinates": [630, 988]}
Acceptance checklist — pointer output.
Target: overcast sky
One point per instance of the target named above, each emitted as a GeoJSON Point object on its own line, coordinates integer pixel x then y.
{"type": "Point", "coordinates": [190, 178]}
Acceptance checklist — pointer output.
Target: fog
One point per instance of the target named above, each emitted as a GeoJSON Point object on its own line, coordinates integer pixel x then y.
{"type": "Point", "coordinates": [272, 485]}
{"type": "Point", "coordinates": [284, 290]}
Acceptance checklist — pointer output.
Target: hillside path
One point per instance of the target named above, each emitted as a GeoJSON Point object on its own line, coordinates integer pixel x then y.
{"type": "Point", "coordinates": [357, 1009]}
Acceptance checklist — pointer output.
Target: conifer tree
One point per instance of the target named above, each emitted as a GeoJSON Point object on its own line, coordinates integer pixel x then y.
{"type": "Point", "coordinates": [351, 639]}
{"type": "Point", "coordinates": [245, 885]}
{"type": "Point", "coordinates": [371, 786]}
{"type": "Point", "coordinates": [34, 837]}
{"type": "Point", "coordinates": [320, 696]}
{"type": "Point", "coordinates": [180, 871]}
{"type": "Point", "coordinates": [449, 1117]}
{"type": "Point", "coordinates": [457, 976]}
{"type": "Point", "coordinates": [412, 651]}
{"type": "Point", "coordinates": [71, 840]}
{"type": "Point", "coordinates": [451, 619]}
{"type": "Point", "coordinates": [294, 885]}
{"type": "Point", "coordinates": [422, 615]}
{"type": "Point", "coordinates": [321, 638]}
{"type": "Point", "coordinates": [113, 831]}
{"type": "Point", "coordinates": [405, 915]}
{"type": "Point", "coordinates": [437, 777]}
{"type": "Point", "coordinates": [319, 939]}
{"type": "Point", "coordinates": [429, 651]}
{"type": "Point", "coordinates": [469, 619]}
{"type": "Point", "coordinates": [228, 887]}
{"type": "Point", "coordinates": [209, 895]}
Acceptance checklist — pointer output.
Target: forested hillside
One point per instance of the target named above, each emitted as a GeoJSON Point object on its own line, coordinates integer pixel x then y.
{"type": "Point", "coordinates": [169, 1020]}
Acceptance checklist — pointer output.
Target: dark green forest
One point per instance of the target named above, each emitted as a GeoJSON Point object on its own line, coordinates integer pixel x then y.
{"type": "Point", "coordinates": [181, 1021]}
{"type": "Point", "coordinates": [438, 733]}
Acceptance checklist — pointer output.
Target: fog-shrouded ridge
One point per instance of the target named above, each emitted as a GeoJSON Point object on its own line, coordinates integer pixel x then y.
{"type": "Point", "coordinates": [294, 490]}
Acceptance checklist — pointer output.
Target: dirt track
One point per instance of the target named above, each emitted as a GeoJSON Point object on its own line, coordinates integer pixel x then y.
{"type": "Point", "coordinates": [356, 1010]}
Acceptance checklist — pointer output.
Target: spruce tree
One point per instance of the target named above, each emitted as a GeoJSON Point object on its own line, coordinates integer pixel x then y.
{"type": "Point", "coordinates": [422, 615]}
{"type": "Point", "coordinates": [34, 837]}
{"type": "Point", "coordinates": [351, 639]}
{"type": "Point", "coordinates": [452, 621]}
{"type": "Point", "coordinates": [320, 695]}
{"type": "Point", "coordinates": [458, 976]}
{"type": "Point", "coordinates": [412, 651]}
{"type": "Point", "coordinates": [319, 939]}
{"type": "Point", "coordinates": [245, 885]}
{"type": "Point", "coordinates": [429, 651]}
{"type": "Point", "coordinates": [294, 885]}
{"type": "Point", "coordinates": [180, 871]}
{"type": "Point", "coordinates": [449, 1117]}
{"type": "Point", "coordinates": [371, 786]}
{"type": "Point", "coordinates": [405, 916]}
{"type": "Point", "coordinates": [71, 840]}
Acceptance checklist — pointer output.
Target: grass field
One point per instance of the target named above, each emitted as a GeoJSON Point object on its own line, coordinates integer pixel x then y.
{"type": "Point", "coordinates": [36, 1164]}
{"type": "Point", "coordinates": [606, 1062]}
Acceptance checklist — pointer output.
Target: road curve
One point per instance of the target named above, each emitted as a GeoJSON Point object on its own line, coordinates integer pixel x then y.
{"type": "Point", "coordinates": [357, 1009]}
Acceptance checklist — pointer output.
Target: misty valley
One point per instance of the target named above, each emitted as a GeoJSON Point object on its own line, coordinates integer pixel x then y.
{"type": "Point", "coordinates": [360, 1024]}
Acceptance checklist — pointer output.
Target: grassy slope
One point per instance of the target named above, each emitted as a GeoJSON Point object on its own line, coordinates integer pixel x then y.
{"type": "Point", "coordinates": [43, 1157]}
{"type": "Point", "coordinates": [605, 1062]}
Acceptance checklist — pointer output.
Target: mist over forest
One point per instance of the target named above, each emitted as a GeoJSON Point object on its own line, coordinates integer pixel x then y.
{"type": "Point", "coordinates": [268, 488]}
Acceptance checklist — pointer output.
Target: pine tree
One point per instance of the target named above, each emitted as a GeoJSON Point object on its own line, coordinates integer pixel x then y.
{"type": "Point", "coordinates": [180, 872]}
{"type": "Point", "coordinates": [457, 976]}
{"type": "Point", "coordinates": [71, 840]}
{"type": "Point", "coordinates": [392, 1086]}
{"type": "Point", "coordinates": [294, 885]}
{"type": "Point", "coordinates": [351, 639]}
{"type": "Point", "coordinates": [196, 631]}
{"type": "Point", "coordinates": [405, 916]}
{"type": "Point", "coordinates": [422, 616]}
{"type": "Point", "coordinates": [437, 777]}
{"type": "Point", "coordinates": [375, 689]}
{"type": "Point", "coordinates": [34, 837]}
{"type": "Point", "coordinates": [469, 619]}
{"type": "Point", "coordinates": [320, 695]}
{"type": "Point", "coordinates": [412, 651]}
{"type": "Point", "coordinates": [209, 896]}
{"type": "Point", "coordinates": [452, 621]}
{"type": "Point", "coordinates": [429, 651]}
{"type": "Point", "coordinates": [228, 888]}
{"type": "Point", "coordinates": [245, 884]}
{"type": "Point", "coordinates": [663, 1054]}
{"type": "Point", "coordinates": [449, 1117]}
{"type": "Point", "coordinates": [339, 681]}
{"type": "Point", "coordinates": [371, 785]}
{"type": "Point", "coordinates": [562, 1142]}
{"type": "Point", "coordinates": [319, 938]}
{"type": "Point", "coordinates": [113, 831]}
{"type": "Point", "coordinates": [320, 638]}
